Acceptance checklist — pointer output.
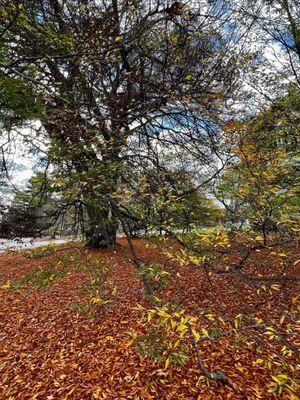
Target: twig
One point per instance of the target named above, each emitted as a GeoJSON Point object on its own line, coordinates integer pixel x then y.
{"type": "Point", "coordinates": [218, 375]}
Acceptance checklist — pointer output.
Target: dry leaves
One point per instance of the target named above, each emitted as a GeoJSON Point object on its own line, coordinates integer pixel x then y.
{"type": "Point", "coordinates": [50, 349]}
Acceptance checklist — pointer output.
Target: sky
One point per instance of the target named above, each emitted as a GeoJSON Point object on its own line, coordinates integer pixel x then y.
{"type": "Point", "coordinates": [19, 155]}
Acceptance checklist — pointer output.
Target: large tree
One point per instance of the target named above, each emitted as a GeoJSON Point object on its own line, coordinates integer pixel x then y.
{"type": "Point", "coordinates": [112, 73]}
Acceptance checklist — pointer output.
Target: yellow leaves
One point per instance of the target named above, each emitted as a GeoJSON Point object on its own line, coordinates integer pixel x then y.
{"type": "Point", "coordinates": [260, 361]}
{"type": "Point", "coordinates": [139, 307]}
{"type": "Point", "coordinates": [293, 396]}
{"type": "Point", "coordinates": [210, 316]}
{"type": "Point", "coordinates": [196, 334]}
{"type": "Point", "coordinates": [96, 394]}
{"type": "Point", "coordinates": [6, 285]}
{"type": "Point", "coordinates": [194, 259]}
{"type": "Point", "coordinates": [204, 331]}
{"type": "Point", "coordinates": [167, 363]}
{"type": "Point", "coordinates": [239, 367]}
{"type": "Point", "coordinates": [192, 320]}
{"type": "Point", "coordinates": [173, 324]}
{"type": "Point", "coordinates": [281, 379]}
{"type": "Point", "coordinates": [275, 287]}
{"type": "Point", "coordinates": [259, 238]}
{"type": "Point", "coordinates": [271, 332]}
{"type": "Point", "coordinates": [286, 352]}
{"type": "Point", "coordinates": [99, 186]}
{"type": "Point", "coordinates": [162, 312]}
{"type": "Point", "coordinates": [258, 320]}
{"type": "Point", "coordinates": [97, 300]}
{"type": "Point", "coordinates": [182, 328]}
{"type": "Point", "coordinates": [282, 319]}
{"type": "Point", "coordinates": [114, 291]}
{"type": "Point", "coordinates": [173, 39]}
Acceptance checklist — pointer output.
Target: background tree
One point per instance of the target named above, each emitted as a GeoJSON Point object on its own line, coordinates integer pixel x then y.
{"type": "Point", "coordinates": [18, 105]}
{"type": "Point", "coordinates": [167, 198]}
{"type": "Point", "coordinates": [264, 179]}
{"type": "Point", "coordinates": [27, 216]}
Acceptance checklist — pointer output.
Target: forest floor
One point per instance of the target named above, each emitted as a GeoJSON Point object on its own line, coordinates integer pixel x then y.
{"type": "Point", "coordinates": [67, 319]}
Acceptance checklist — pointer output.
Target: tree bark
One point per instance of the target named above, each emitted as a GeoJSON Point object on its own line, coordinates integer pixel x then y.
{"type": "Point", "coordinates": [102, 226]}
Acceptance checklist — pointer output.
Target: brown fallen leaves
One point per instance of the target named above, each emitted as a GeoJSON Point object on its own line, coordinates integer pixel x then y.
{"type": "Point", "coordinates": [58, 342]}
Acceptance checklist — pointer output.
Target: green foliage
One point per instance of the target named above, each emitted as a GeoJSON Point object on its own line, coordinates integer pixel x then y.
{"type": "Point", "coordinates": [167, 200]}
{"type": "Point", "coordinates": [99, 274]}
{"type": "Point", "coordinates": [198, 247]}
{"type": "Point", "coordinates": [167, 339]}
{"type": "Point", "coordinates": [90, 307]}
{"type": "Point", "coordinates": [41, 278]}
{"type": "Point", "coordinates": [29, 213]}
{"type": "Point", "coordinates": [155, 274]}
{"type": "Point", "coordinates": [99, 289]}
{"type": "Point", "coordinates": [41, 251]}
{"type": "Point", "coordinates": [18, 102]}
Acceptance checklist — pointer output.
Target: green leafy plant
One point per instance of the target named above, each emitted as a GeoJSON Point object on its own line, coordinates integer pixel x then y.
{"type": "Point", "coordinates": [99, 289]}
{"type": "Point", "coordinates": [88, 308]}
{"type": "Point", "coordinates": [40, 251]}
{"type": "Point", "coordinates": [155, 274]}
{"type": "Point", "coordinates": [41, 278]}
{"type": "Point", "coordinates": [167, 338]}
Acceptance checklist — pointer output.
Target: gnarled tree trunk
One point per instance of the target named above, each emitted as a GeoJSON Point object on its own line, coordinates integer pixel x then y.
{"type": "Point", "coordinates": [102, 226]}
